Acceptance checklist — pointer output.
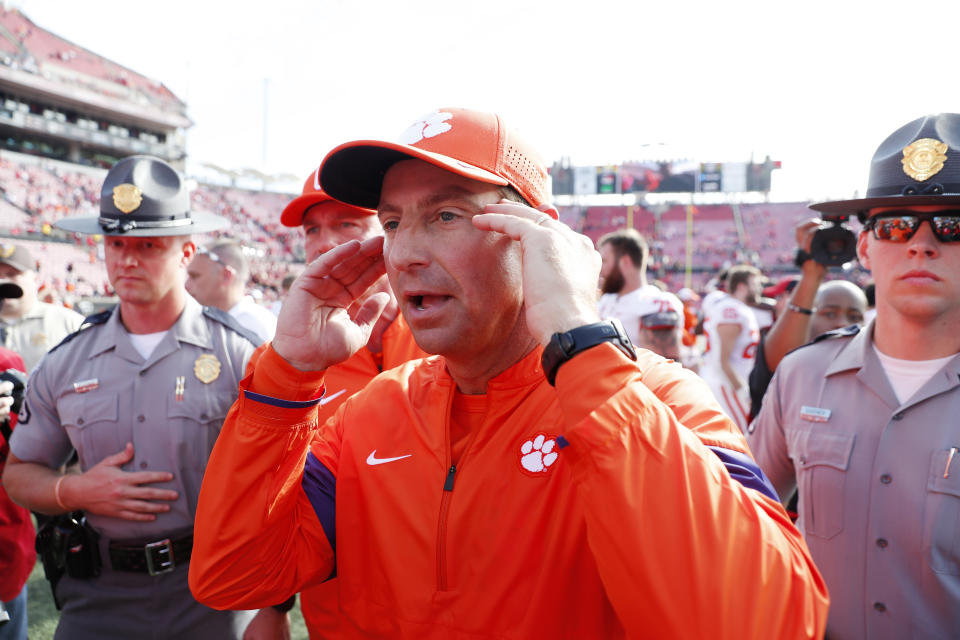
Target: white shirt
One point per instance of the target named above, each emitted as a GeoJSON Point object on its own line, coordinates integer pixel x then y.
{"type": "Point", "coordinates": [907, 376]}
{"type": "Point", "coordinates": [630, 307]}
{"type": "Point", "coordinates": [255, 318]}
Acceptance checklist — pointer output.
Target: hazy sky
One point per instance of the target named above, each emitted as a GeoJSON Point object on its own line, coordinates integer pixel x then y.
{"type": "Point", "coordinates": [815, 84]}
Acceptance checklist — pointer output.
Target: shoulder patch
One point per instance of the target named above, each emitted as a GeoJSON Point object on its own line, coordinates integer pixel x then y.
{"type": "Point", "coordinates": [230, 322]}
{"type": "Point", "coordinates": [89, 321]}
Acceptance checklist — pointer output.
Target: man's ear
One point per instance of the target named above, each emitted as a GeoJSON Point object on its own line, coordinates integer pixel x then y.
{"type": "Point", "coordinates": [862, 241]}
{"type": "Point", "coordinates": [188, 251]}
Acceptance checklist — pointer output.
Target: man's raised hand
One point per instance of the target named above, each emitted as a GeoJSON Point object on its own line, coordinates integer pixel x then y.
{"type": "Point", "coordinates": [560, 267]}
{"type": "Point", "coordinates": [318, 325]}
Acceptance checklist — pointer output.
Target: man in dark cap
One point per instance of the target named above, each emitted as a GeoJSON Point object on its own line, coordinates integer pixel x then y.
{"type": "Point", "coordinates": [140, 392]}
{"type": "Point", "coordinates": [864, 421]}
{"type": "Point", "coordinates": [30, 326]}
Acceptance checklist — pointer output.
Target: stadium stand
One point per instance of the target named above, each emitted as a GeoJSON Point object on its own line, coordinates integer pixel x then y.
{"type": "Point", "coordinates": [36, 192]}
{"type": "Point", "coordinates": [66, 112]}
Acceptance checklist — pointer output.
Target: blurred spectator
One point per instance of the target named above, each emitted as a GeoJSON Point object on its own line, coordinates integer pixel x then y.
{"type": "Point", "coordinates": [28, 326]}
{"type": "Point", "coordinates": [217, 277]}
{"type": "Point", "coordinates": [780, 294]}
{"type": "Point", "coordinates": [284, 289]}
{"type": "Point", "coordinates": [732, 335]}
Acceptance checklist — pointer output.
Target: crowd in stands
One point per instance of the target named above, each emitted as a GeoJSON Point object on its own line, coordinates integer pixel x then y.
{"type": "Point", "coordinates": [35, 193]}
{"type": "Point", "coordinates": [25, 46]}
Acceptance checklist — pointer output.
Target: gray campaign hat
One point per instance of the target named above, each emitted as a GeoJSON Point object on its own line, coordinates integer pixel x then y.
{"type": "Point", "coordinates": [144, 196]}
{"type": "Point", "coordinates": [918, 164]}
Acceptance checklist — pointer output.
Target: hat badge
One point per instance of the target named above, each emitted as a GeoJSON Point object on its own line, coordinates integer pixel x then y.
{"type": "Point", "coordinates": [127, 197]}
{"type": "Point", "coordinates": [7, 250]}
{"type": "Point", "coordinates": [924, 158]}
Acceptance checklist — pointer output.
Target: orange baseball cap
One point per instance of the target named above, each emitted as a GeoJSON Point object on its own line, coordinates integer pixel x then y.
{"type": "Point", "coordinates": [292, 215]}
{"type": "Point", "coordinates": [473, 144]}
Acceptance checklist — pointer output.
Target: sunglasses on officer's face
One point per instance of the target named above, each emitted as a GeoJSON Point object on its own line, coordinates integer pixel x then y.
{"type": "Point", "coordinates": [900, 226]}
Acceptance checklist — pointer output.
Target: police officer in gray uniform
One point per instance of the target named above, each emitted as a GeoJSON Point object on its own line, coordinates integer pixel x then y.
{"type": "Point", "coordinates": [140, 392]}
{"type": "Point", "coordinates": [867, 422]}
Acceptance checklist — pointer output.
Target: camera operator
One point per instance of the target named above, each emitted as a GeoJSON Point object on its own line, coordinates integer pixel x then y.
{"type": "Point", "coordinates": [17, 556]}
{"type": "Point", "coordinates": [806, 314]}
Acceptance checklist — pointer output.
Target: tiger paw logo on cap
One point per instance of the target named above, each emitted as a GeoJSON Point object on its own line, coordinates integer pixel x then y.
{"type": "Point", "coordinates": [537, 455]}
{"type": "Point", "coordinates": [427, 127]}
{"type": "Point", "coordinates": [924, 158]}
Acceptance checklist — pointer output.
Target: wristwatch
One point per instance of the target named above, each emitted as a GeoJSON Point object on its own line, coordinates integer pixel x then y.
{"type": "Point", "coordinates": [801, 257]}
{"type": "Point", "coordinates": [563, 346]}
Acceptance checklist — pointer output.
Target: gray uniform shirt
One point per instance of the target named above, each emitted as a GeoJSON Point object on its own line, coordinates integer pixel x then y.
{"type": "Point", "coordinates": [95, 393]}
{"type": "Point", "coordinates": [39, 331]}
{"type": "Point", "coordinates": [879, 508]}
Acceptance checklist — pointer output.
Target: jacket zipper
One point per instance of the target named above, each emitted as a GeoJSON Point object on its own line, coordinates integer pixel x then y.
{"type": "Point", "coordinates": [442, 529]}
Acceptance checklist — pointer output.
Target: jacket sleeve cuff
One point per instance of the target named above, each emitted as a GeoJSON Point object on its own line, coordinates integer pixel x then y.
{"type": "Point", "coordinates": [276, 378]}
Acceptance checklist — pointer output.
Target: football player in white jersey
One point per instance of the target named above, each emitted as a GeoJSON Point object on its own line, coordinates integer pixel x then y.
{"type": "Point", "coordinates": [732, 336]}
{"type": "Point", "coordinates": [626, 295]}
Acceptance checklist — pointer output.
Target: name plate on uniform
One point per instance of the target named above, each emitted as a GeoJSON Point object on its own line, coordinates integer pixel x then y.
{"type": "Point", "coordinates": [814, 414]}
{"type": "Point", "coordinates": [86, 385]}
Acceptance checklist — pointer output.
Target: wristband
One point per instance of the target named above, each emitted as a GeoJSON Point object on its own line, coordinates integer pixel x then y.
{"type": "Point", "coordinates": [798, 309]}
{"type": "Point", "coordinates": [286, 605]}
{"type": "Point", "coordinates": [801, 257]}
{"type": "Point", "coordinates": [56, 493]}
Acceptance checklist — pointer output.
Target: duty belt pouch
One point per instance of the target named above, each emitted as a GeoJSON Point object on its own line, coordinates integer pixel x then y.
{"type": "Point", "coordinates": [83, 552]}
{"type": "Point", "coordinates": [67, 544]}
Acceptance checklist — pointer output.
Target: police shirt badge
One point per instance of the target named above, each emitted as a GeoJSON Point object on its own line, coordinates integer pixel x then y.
{"type": "Point", "coordinates": [127, 197]}
{"type": "Point", "coordinates": [206, 368]}
{"type": "Point", "coordinates": [38, 339]}
{"type": "Point", "coordinates": [924, 158]}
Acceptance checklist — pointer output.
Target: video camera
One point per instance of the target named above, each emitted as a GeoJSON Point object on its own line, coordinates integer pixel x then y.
{"type": "Point", "coordinates": [835, 244]}
{"type": "Point", "coordinates": [19, 380]}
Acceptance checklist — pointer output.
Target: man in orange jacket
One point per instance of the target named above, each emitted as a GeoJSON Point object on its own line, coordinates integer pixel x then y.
{"type": "Point", "coordinates": [535, 478]}
{"type": "Point", "coordinates": [327, 223]}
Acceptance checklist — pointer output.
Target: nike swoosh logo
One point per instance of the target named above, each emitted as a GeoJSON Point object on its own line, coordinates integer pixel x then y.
{"type": "Point", "coordinates": [372, 459]}
{"type": "Point", "coordinates": [330, 398]}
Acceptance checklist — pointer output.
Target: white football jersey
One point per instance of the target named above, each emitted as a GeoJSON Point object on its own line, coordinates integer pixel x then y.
{"type": "Point", "coordinates": [729, 310]}
{"type": "Point", "coordinates": [630, 307]}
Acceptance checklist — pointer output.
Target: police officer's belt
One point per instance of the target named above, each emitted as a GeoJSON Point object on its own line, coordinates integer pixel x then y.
{"type": "Point", "coordinates": [154, 558]}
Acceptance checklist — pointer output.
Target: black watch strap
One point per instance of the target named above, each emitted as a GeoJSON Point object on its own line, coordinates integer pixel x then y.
{"type": "Point", "coordinates": [801, 257]}
{"type": "Point", "coordinates": [563, 346]}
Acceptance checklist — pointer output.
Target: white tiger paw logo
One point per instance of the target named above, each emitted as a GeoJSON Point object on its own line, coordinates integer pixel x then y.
{"type": "Point", "coordinates": [538, 454]}
{"type": "Point", "coordinates": [427, 127]}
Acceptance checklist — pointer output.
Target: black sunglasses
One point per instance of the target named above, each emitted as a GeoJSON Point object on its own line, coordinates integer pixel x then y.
{"type": "Point", "coordinates": [900, 226]}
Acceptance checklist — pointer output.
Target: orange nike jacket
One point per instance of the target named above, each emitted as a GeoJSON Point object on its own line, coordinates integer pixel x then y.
{"type": "Point", "coordinates": [585, 511]}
